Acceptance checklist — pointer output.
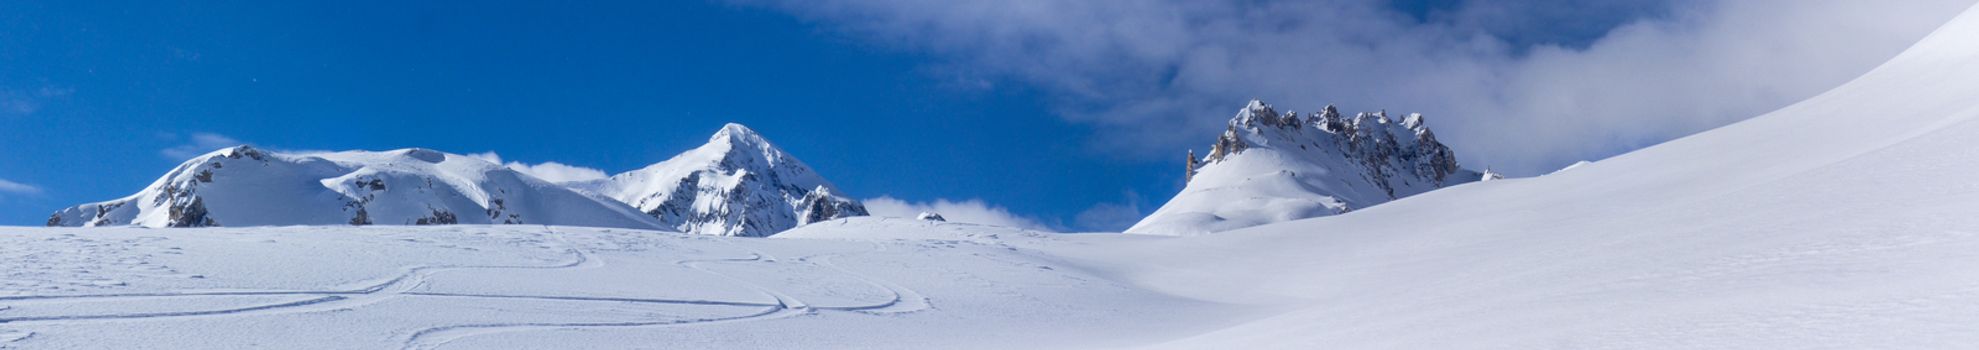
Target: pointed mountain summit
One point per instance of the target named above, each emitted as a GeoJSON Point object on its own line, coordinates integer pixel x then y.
{"type": "Point", "coordinates": [1269, 167]}
{"type": "Point", "coordinates": [245, 186]}
{"type": "Point", "coordinates": [738, 184]}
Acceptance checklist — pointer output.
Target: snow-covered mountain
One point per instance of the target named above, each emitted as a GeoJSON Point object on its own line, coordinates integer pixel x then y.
{"type": "Point", "coordinates": [245, 186]}
{"type": "Point", "coordinates": [1270, 167]}
{"type": "Point", "coordinates": [1841, 222]}
{"type": "Point", "coordinates": [738, 184]}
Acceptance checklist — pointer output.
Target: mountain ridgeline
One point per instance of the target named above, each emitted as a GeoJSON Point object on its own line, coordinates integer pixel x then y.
{"type": "Point", "coordinates": [738, 185]}
{"type": "Point", "coordinates": [247, 186]}
{"type": "Point", "coordinates": [1266, 167]}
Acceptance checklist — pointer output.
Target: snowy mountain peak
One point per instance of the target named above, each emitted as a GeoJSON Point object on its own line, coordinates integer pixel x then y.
{"type": "Point", "coordinates": [247, 186]}
{"type": "Point", "coordinates": [1270, 166]}
{"type": "Point", "coordinates": [742, 148]}
{"type": "Point", "coordinates": [738, 184]}
{"type": "Point", "coordinates": [738, 134]}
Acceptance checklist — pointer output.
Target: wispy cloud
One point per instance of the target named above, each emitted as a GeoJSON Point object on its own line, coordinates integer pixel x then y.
{"type": "Point", "coordinates": [17, 188]}
{"type": "Point", "coordinates": [548, 171]}
{"type": "Point", "coordinates": [1156, 77]}
{"type": "Point", "coordinates": [196, 144]}
{"type": "Point", "coordinates": [1111, 217]}
{"type": "Point", "coordinates": [15, 102]}
{"type": "Point", "coordinates": [973, 211]}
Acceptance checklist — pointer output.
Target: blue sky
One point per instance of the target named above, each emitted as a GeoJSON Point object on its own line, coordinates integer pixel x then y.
{"type": "Point", "coordinates": [1019, 107]}
{"type": "Point", "coordinates": [613, 87]}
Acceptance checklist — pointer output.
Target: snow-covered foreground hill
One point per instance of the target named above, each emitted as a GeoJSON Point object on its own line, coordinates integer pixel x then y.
{"type": "Point", "coordinates": [536, 287]}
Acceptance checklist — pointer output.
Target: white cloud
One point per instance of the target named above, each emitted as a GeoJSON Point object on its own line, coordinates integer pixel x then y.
{"type": "Point", "coordinates": [18, 188]}
{"type": "Point", "coordinates": [972, 211]}
{"type": "Point", "coordinates": [197, 144]}
{"type": "Point", "coordinates": [558, 172]}
{"type": "Point", "coordinates": [548, 171]}
{"type": "Point", "coordinates": [488, 156]}
{"type": "Point", "coordinates": [1156, 77]}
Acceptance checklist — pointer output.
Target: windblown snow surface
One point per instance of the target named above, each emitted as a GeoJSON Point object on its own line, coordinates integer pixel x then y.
{"type": "Point", "coordinates": [1844, 222]}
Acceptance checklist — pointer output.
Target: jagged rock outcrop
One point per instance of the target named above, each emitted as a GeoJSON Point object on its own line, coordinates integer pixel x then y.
{"type": "Point", "coordinates": [822, 205]}
{"type": "Point", "coordinates": [1189, 167]}
{"type": "Point", "coordinates": [930, 216]}
{"type": "Point", "coordinates": [738, 184]}
{"type": "Point", "coordinates": [1269, 166]}
{"type": "Point", "coordinates": [246, 186]}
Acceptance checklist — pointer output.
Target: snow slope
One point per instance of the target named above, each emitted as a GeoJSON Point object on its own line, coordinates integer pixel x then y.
{"type": "Point", "coordinates": [738, 184]}
{"type": "Point", "coordinates": [1842, 222]}
{"type": "Point", "coordinates": [1271, 167]}
{"type": "Point", "coordinates": [536, 287]}
{"type": "Point", "coordinates": [244, 186]}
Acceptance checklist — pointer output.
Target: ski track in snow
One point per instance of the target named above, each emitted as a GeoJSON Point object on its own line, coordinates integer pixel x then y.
{"type": "Point", "coordinates": [913, 301]}
{"type": "Point", "coordinates": [407, 284]}
{"type": "Point", "coordinates": [402, 284]}
{"type": "Point", "coordinates": [903, 300]}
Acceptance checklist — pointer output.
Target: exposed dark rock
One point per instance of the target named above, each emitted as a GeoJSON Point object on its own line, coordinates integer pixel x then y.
{"type": "Point", "coordinates": [1193, 162]}
{"type": "Point", "coordinates": [498, 211]}
{"type": "Point", "coordinates": [1384, 148]}
{"type": "Point", "coordinates": [247, 151]}
{"type": "Point", "coordinates": [362, 216]}
{"type": "Point", "coordinates": [439, 217]}
{"type": "Point", "coordinates": [822, 205]}
{"type": "Point", "coordinates": [102, 217]}
{"type": "Point", "coordinates": [1227, 144]}
{"type": "Point", "coordinates": [189, 214]}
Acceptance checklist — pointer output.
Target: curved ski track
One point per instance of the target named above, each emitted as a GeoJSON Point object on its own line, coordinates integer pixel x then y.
{"type": "Point", "coordinates": [903, 300]}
